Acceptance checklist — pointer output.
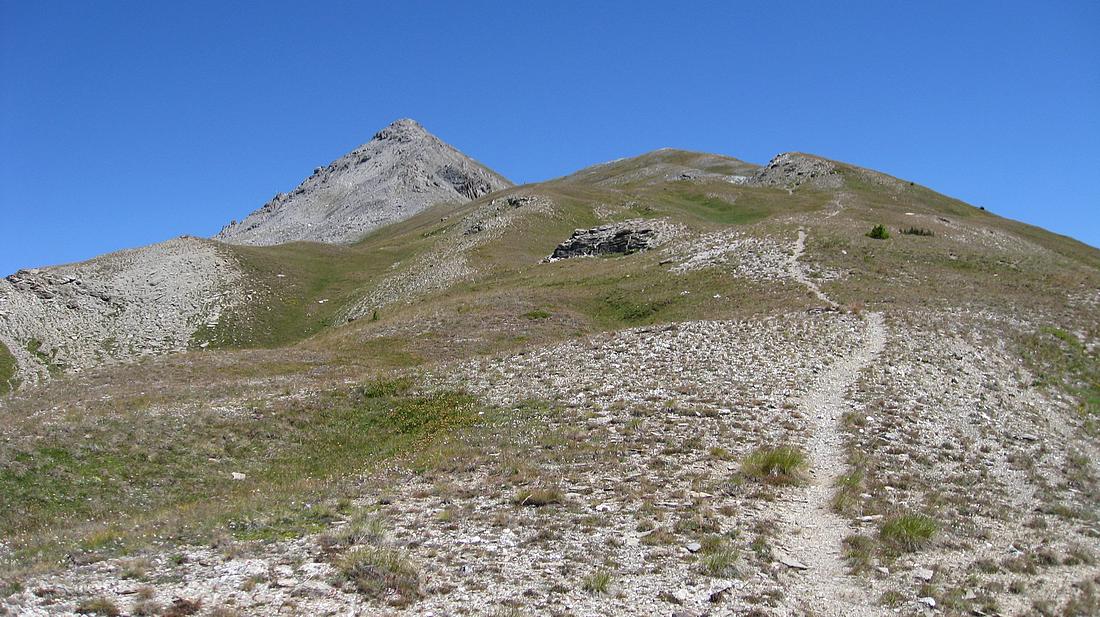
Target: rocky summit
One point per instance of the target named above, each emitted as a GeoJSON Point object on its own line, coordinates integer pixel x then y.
{"type": "Point", "coordinates": [671, 384]}
{"type": "Point", "coordinates": [401, 171]}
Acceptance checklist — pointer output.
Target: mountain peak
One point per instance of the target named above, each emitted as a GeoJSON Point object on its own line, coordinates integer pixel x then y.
{"type": "Point", "coordinates": [401, 171]}
{"type": "Point", "coordinates": [402, 130]}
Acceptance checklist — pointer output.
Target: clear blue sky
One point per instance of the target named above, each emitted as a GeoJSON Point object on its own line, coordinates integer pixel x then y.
{"type": "Point", "coordinates": [125, 123]}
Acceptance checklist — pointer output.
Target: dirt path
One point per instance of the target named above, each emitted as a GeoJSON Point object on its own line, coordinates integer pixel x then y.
{"type": "Point", "coordinates": [796, 271]}
{"type": "Point", "coordinates": [839, 201]}
{"type": "Point", "coordinates": [812, 547]}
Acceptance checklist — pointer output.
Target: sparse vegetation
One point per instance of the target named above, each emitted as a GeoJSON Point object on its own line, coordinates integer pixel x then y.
{"type": "Point", "coordinates": [238, 451]}
{"type": "Point", "coordinates": [1059, 359]}
{"type": "Point", "coordinates": [779, 465]}
{"type": "Point", "coordinates": [917, 231]}
{"type": "Point", "coordinates": [598, 582]}
{"type": "Point", "coordinates": [98, 606]}
{"type": "Point", "coordinates": [378, 571]}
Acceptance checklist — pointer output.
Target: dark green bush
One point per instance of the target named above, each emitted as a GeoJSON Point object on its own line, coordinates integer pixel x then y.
{"type": "Point", "coordinates": [878, 232]}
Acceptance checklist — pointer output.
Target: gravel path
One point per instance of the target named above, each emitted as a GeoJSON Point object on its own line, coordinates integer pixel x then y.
{"type": "Point", "coordinates": [816, 532]}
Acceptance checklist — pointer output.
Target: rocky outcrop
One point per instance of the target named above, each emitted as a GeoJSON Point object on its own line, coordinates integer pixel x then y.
{"type": "Point", "coordinates": [400, 172]}
{"type": "Point", "coordinates": [114, 307]}
{"type": "Point", "coordinates": [791, 170]}
{"type": "Point", "coordinates": [622, 238]}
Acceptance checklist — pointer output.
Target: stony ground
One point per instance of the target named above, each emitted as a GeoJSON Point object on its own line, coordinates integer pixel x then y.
{"type": "Point", "coordinates": [118, 306]}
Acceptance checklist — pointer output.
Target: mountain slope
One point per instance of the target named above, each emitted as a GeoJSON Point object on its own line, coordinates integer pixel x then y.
{"type": "Point", "coordinates": [402, 170]}
{"type": "Point", "coordinates": [764, 410]}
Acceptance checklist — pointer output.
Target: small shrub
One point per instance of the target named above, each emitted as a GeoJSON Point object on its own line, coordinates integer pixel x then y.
{"type": "Point", "coordinates": [135, 569]}
{"type": "Point", "coordinates": [98, 606]}
{"type": "Point", "coordinates": [918, 231]}
{"type": "Point", "coordinates": [378, 571]}
{"type": "Point", "coordinates": [781, 465]}
{"type": "Point", "coordinates": [878, 232]}
{"type": "Point", "coordinates": [146, 607]}
{"type": "Point", "coordinates": [908, 532]}
{"type": "Point", "coordinates": [598, 581]}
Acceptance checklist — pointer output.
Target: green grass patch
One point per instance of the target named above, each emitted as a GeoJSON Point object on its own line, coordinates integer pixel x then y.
{"type": "Point", "coordinates": [743, 211]}
{"type": "Point", "coordinates": [718, 556]}
{"type": "Point", "coordinates": [781, 465]}
{"type": "Point", "coordinates": [537, 315]}
{"type": "Point", "coordinates": [908, 532]}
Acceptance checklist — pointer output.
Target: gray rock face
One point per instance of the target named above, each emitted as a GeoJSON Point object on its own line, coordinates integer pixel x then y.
{"type": "Point", "coordinates": [400, 172]}
{"type": "Point", "coordinates": [116, 306]}
{"type": "Point", "coordinates": [791, 170]}
{"type": "Point", "coordinates": [615, 238]}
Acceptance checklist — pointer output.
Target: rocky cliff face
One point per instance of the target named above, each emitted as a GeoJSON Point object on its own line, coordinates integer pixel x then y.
{"type": "Point", "coordinates": [114, 307]}
{"type": "Point", "coordinates": [400, 172]}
